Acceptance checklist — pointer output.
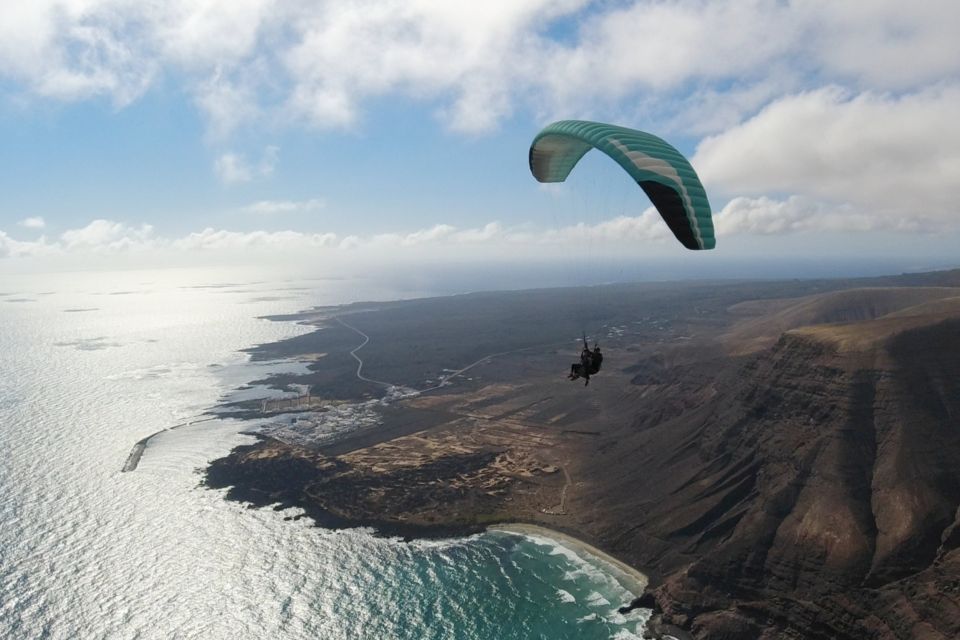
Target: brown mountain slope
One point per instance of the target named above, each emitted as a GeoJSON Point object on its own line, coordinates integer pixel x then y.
{"type": "Point", "coordinates": [948, 307]}
{"type": "Point", "coordinates": [809, 498]}
{"type": "Point", "coordinates": [764, 320]}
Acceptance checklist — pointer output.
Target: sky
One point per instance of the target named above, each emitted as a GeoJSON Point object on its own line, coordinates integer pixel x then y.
{"type": "Point", "coordinates": [380, 132]}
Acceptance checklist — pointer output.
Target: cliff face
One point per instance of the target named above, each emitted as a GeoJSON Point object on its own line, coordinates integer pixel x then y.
{"type": "Point", "coordinates": [817, 494]}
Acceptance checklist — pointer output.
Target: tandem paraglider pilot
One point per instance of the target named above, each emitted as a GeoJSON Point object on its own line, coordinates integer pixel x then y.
{"type": "Point", "coordinates": [589, 364]}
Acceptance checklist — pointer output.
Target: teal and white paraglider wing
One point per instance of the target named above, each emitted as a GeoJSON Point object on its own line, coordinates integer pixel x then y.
{"type": "Point", "coordinates": [661, 171]}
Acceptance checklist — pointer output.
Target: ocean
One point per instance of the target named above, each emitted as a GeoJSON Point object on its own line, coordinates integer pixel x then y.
{"type": "Point", "coordinates": [92, 362]}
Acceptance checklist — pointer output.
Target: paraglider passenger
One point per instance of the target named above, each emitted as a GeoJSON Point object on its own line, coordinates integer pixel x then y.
{"type": "Point", "coordinates": [596, 359]}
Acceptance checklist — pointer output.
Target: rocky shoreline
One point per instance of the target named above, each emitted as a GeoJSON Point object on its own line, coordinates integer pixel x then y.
{"type": "Point", "coordinates": [274, 474]}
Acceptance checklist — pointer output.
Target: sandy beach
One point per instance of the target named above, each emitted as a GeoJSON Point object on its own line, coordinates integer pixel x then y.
{"type": "Point", "coordinates": [632, 580]}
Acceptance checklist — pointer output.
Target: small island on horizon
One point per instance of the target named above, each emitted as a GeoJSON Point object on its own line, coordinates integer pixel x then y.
{"type": "Point", "coordinates": [777, 457]}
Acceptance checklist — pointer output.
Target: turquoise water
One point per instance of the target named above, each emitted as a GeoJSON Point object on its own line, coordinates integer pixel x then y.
{"type": "Point", "coordinates": [91, 363]}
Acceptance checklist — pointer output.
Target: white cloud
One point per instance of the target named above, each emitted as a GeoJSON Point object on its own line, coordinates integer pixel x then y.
{"type": "Point", "coordinates": [209, 34]}
{"type": "Point", "coordinates": [486, 233]}
{"type": "Point", "coordinates": [98, 237]}
{"type": "Point", "coordinates": [440, 234]}
{"type": "Point", "coordinates": [463, 54]}
{"type": "Point", "coordinates": [221, 239]}
{"type": "Point", "coordinates": [767, 216]}
{"type": "Point", "coordinates": [423, 236]}
{"type": "Point", "coordinates": [112, 237]}
{"type": "Point", "coordinates": [884, 44]}
{"type": "Point", "coordinates": [106, 235]}
{"type": "Point", "coordinates": [234, 168]}
{"type": "Point", "coordinates": [227, 103]}
{"type": "Point", "coordinates": [11, 248]}
{"type": "Point", "coordinates": [268, 161]}
{"type": "Point", "coordinates": [894, 157]}
{"type": "Point", "coordinates": [350, 242]}
{"type": "Point", "coordinates": [621, 236]}
{"type": "Point", "coordinates": [622, 229]}
{"type": "Point", "coordinates": [662, 46]}
{"type": "Point", "coordinates": [76, 49]}
{"type": "Point", "coordinates": [817, 110]}
{"type": "Point", "coordinates": [35, 222]}
{"type": "Point", "coordinates": [275, 207]}
{"type": "Point", "coordinates": [476, 63]}
{"type": "Point", "coordinates": [708, 110]}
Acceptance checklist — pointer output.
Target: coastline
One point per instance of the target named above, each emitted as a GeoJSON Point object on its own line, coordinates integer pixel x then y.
{"type": "Point", "coordinates": [629, 578]}
{"type": "Point", "coordinates": [133, 458]}
{"type": "Point", "coordinates": [492, 449]}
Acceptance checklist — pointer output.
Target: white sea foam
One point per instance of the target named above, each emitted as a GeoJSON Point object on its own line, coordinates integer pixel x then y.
{"type": "Point", "coordinates": [615, 617]}
{"type": "Point", "coordinates": [596, 599]}
{"type": "Point", "coordinates": [443, 543]}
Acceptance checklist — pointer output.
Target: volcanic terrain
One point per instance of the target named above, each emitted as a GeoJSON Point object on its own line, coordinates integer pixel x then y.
{"type": "Point", "coordinates": [781, 458]}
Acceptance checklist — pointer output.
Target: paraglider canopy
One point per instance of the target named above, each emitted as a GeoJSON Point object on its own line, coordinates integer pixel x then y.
{"type": "Point", "coordinates": [661, 171]}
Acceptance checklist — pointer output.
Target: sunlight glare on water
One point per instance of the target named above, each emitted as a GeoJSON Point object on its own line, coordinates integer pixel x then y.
{"type": "Point", "coordinates": [90, 363]}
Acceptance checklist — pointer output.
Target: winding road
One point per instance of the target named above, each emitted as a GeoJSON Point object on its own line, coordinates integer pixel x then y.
{"type": "Point", "coordinates": [353, 353]}
{"type": "Point", "coordinates": [443, 379]}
